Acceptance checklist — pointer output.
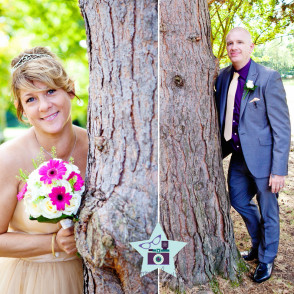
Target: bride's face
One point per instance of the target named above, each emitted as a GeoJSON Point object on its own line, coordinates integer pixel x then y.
{"type": "Point", "coordinates": [46, 109]}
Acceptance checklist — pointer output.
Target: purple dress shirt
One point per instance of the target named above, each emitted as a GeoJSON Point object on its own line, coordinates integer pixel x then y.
{"type": "Point", "coordinates": [243, 72]}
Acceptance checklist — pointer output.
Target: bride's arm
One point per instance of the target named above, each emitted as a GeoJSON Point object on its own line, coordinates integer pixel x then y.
{"type": "Point", "coordinates": [23, 245]}
{"type": "Point", "coordinates": [14, 244]}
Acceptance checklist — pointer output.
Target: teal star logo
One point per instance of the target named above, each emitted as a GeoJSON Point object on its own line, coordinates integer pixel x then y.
{"type": "Point", "coordinates": [158, 252]}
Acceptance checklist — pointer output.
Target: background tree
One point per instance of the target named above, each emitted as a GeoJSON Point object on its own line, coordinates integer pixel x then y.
{"type": "Point", "coordinates": [121, 194]}
{"type": "Point", "coordinates": [265, 19]}
{"type": "Point", "coordinates": [194, 205]}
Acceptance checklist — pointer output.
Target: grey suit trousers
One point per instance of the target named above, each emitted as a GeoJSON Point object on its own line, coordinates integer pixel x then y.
{"type": "Point", "coordinates": [263, 223]}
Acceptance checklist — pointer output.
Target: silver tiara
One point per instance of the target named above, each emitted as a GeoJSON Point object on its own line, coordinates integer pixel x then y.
{"type": "Point", "coordinates": [28, 57]}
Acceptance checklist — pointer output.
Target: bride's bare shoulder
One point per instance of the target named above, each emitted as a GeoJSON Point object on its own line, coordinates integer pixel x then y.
{"type": "Point", "coordinates": [81, 132]}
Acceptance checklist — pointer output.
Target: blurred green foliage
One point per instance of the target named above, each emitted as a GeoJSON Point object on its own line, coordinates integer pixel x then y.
{"type": "Point", "coordinates": [264, 19]}
{"type": "Point", "coordinates": [55, 24]}
{"type": "Point", "coordinates": [277, 54]}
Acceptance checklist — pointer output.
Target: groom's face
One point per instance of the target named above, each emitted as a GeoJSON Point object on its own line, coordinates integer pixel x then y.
{"type": "Point", "coordinates": [239, 47]}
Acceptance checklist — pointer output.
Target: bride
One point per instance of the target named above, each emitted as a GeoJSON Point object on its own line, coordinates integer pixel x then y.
{"type": "Point", "coordinates": [29, 263]}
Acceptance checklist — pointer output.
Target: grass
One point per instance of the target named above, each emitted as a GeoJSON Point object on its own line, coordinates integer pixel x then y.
{"type": "Point", "coordinates": [214, 285]}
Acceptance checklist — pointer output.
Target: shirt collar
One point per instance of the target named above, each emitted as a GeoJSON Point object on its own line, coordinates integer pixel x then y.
{"type": "Point", "coordinates": [243, 72]}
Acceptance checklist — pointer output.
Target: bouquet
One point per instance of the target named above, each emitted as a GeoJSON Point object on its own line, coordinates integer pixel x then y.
{"type": "Point", "coordinates": [52, 192]}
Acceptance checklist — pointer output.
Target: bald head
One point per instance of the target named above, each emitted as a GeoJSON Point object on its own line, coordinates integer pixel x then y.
{"type": "Point", "coordinates": [239, 47]}
{"type": "Point", "coordinates": [239, 29]}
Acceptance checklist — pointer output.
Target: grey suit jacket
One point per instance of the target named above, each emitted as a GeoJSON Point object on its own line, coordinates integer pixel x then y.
{"type": "Point", "coordinates": [264, 125]}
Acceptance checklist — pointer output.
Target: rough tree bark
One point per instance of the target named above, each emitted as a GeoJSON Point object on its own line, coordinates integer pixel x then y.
{"type": "Point", "coordinates": [120, 205]}
{"type": "Point", "coordinates": [194, 205]}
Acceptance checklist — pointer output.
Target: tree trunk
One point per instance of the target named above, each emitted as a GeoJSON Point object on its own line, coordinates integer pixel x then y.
{"type": "Point", "coordinates": [121, 182]}
{"type": "Point", "coordinates": [194, 204]}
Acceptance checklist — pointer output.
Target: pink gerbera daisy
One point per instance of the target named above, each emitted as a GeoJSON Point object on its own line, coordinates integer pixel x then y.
{"type": "Point", "coordinates": [79, 181]}
{"type": "Point", "coordinates": [54, 170]}
{"type": "Point", "coordinates": [22, 192]}
{"type": "Point", "coordinates": [59, 197]}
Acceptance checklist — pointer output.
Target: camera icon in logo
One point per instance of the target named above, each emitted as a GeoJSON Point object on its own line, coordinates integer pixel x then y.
{"type": "Point", "coordinates": [159, 256]}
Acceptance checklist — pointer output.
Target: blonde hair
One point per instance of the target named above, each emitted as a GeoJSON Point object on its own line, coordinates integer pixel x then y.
{"type": "Point", "coordinates": [46, 69]}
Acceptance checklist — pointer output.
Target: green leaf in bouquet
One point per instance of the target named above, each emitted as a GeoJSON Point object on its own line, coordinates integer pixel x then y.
{"type": "Point", "coordinates": [35, 163]}
{"type": "Point", "coordinates": [37, 200]}
{"type": "Point", "coordinates": [38, 184]}
{"type": "Point", "coordinates": [23, 175]}
{"type": "Point", "coordinates": [72, 181]}
{"type": "Point", "coordinates": [54, 183]}
{"type": "Point", "coordinates": [53, 152]}
{"type": "Point", "coordinates": [40, 158]}
{"type": "Point", "coordinates": [42, 219]}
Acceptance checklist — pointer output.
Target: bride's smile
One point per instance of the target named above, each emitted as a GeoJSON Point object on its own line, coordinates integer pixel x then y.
{"type": "Point", "coordinates": [51, 116]}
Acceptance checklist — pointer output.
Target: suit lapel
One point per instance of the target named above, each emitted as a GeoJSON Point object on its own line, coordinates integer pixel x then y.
{"type": "Point", "coordinates": [224, 92]}
{"type": "Point", "coordinates": [252, 75]}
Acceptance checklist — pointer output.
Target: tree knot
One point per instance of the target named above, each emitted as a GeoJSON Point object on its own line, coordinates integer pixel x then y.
{"type": "Point", "coordinates": [178, 80]}
{"type": "Point", "coordinates": [107, 241]}
{"type": "Point", "coordinates": [100, 142]}
{"type": "Point", "coordinates": [194, 38]}
{"type": "Point", "coordinates": [162, 28]}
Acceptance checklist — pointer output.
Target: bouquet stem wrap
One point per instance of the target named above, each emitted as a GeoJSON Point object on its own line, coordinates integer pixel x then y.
{"type": "Point", "coordinates": [66, 223]}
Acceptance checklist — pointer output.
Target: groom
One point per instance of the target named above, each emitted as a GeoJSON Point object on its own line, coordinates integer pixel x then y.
{"type": "Point", "coordinates": [255, 128]}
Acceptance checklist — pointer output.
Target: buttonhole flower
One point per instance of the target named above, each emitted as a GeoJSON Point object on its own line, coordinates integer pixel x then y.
{"type": "Point", "coordinates": [249, 86]}
{"type": "Point", "coordinates": [59, 197]}
{"type": "Point", "coordinates": [54, 170]}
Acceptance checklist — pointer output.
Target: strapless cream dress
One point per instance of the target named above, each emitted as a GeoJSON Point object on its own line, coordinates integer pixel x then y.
{"type": "Point", "coordinates": [43, 274]}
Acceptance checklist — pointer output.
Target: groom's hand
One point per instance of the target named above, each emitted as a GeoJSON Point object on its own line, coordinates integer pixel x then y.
{"type": "Point", "coordinates": [277, 183]}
